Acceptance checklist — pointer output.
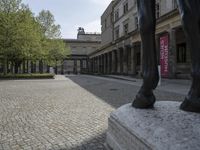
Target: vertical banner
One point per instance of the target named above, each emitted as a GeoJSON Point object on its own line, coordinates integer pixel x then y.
{"type": "Point", "coordinates": [164, 55]}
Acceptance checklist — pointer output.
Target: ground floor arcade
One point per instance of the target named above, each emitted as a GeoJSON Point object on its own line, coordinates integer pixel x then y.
{"type": "Point", "coordinates": [75, 64]}
{"type": "Point", "coordinates": [125, 56]}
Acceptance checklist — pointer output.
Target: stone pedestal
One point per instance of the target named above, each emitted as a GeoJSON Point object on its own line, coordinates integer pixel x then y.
{"type": "Point", "coordinates": [165, 127]}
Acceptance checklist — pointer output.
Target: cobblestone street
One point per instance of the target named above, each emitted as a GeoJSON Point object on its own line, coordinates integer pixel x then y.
{"type": "Point", "coordinates": [66, 113]}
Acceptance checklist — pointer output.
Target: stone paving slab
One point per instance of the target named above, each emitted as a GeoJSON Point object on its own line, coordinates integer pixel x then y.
{"type": "Point", "coordinates": [50, 114]}
{"type": "Point", "coordinates": [66, 113]}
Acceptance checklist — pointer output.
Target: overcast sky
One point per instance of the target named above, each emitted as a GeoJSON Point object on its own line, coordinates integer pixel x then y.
{"type": "Point", "coordinates": [71, 14]}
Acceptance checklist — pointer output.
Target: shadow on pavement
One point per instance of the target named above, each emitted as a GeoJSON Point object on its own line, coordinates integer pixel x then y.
{"type": "Point", "coordinates": [117, 94]}
{"type": "Point", "coordinates": [96, 143]}
{"type": "Point", "coordinates": [113, 93]}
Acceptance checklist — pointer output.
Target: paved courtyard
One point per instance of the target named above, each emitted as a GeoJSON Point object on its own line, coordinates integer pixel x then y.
{"type": "Point", "coordinates": [63, 114]}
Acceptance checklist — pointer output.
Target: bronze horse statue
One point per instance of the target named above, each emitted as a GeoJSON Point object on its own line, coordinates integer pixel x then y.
{"type": "Point", "coordinates": [190, 15]}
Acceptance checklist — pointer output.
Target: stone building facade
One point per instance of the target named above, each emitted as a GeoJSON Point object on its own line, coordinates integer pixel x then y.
{"type": "Point", "coordinates": [121, 53]}
{"type": "Point", "coordinates": [75, 63]}
{"type": "Point", "coordinates": [80, 48]}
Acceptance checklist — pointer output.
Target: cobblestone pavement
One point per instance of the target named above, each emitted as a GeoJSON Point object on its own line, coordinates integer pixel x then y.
{"type": "Point", "coordinates": [66, 113]}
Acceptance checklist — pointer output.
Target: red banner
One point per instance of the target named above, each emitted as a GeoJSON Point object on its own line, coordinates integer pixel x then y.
{"type": "Point", "coordinates": [164, 55]}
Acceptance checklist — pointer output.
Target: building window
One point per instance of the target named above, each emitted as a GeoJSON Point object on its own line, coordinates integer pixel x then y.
{"type": "Point", "coordinates": [126, 29]}
{"type": "Point", "coordinates": [181, 53]}
{"type": "Point", "coordinates": [125, 7]}
{"type": "Point", "coordinates": [116, 15]}
{"type": "Point", "coordinates": [157, 10]}
{"type": "Point", "coordinates": [117, 33]}
{"type": "Point", "coordinates": [105, 23]}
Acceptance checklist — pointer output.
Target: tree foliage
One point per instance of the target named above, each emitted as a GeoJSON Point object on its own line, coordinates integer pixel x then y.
{"type": "Point", "coordinates": [26, 37]}
{"type": "Point", "coordinates": [47, 22]}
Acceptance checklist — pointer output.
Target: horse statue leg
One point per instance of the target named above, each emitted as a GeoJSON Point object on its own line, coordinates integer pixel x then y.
{"type": "Point", "coordinates": [147, 22]}
{"type": "Point", "coordinates": [190, 14]}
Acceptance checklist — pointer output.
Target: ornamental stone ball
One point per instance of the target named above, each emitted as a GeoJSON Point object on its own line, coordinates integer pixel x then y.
{"type": "Point", "coordinates": [190, 15]}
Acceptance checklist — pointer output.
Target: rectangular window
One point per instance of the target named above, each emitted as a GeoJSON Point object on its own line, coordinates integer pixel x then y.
{"type": "Point", "coordinates": [126, 29]}
{"type": "Point", "coordinates": [116, 33]}
{"type": "Point", "coordinates": [116, 15]}
{"type": "Point", "coordinates": [105, 23]}
{"type": "Point", "coordinates": [125, 7]}
{"type": "Point", "coordinates": [181, 53]}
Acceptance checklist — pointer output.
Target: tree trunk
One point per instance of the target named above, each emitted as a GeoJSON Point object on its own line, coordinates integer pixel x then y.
{"type": "Point", "coordinates": [5, 71]}
{"type": "Point", "coordinates": [56, 68]}
{"type": "Point", "coordinates": [12, 67]}
{"type": "Point", "coordinates": [27, 66]}
{"type": "Point", "coordinates": [24, 66]}
{"type": "Point", "coordinates": [41, 66]}
{"type": "Point", "coordinates": [16, 68]}
{"type": "Point", "coordinates": [62, 67]}
{"type": "Point", "coordinates": [48, 69]}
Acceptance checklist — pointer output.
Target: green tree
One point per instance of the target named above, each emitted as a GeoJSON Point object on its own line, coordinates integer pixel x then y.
{"type": "Point", "coordinates": [26, 37]}
{"type": "Point", "coordinates": [20, 34]}
{"type": "Point", "coordinates": [47, 22]}
{"type": "Point", "coordinates": [54, 47]}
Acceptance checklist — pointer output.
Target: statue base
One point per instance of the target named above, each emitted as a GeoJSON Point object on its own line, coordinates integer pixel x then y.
{"type": "Point", "coordinates": [165, 127]}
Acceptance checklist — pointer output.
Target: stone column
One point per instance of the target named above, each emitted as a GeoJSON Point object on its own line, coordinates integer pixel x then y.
{"type": "Point", "coordinates": [75, 66]}
{"type": "Point", "coordinates": [93, 65]}
{"type": "Point", "coordinates": [110, 62]}
{"type": "Point", "coordinates": [101, 64]}
{"type": "Point", "coordinates": [121, 58]}
{"type": "Point", "coordinates": [81, 66]}
{"type": "Point", "coordinates": [105, 64]}
{"type": "Point", "coordinates": [89, 65]}
{"type": "Point", "coordinates": [97, 65]}
{"type": "Point", "coordinates": [113, 62]}
{"type": "Point", "coordinates": [172, 53]}
{"type": "Point", "coordinates": [125, 61]}
{"type": "Point", "coordinates": [133, 63]}
{"type": "Point", "coordinates": [118, 61]}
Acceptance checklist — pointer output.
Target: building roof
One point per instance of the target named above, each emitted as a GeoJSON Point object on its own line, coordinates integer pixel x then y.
{"type": "Point", "coordinates": [79, 41]}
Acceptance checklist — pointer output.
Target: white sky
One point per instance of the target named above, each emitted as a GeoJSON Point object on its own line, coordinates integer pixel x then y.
{"type": "Point", "coordinates": [71, 14]}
